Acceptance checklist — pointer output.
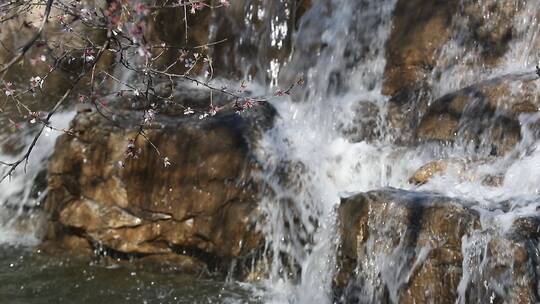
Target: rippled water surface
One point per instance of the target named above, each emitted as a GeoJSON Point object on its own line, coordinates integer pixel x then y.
{"type": "Point", "coordinates": [30, 277]}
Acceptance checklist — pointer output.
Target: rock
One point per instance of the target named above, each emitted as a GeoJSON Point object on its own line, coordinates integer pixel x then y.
{"type": "Point", "coordinates": [491, 25]}
{"type": "Point", "coordinates": [487, 113]}
{"type": "Point", "coordinates": [410, 247]}
{"type": "Point", "coordinates": [462, 167]}
{"type": "Point", "coordinates": [420, 28]}
{"type": "Point", "coordinates": [419, 52]}
{"type": "Point", "coordinates": [205, 202]}
{"type": "Point", "coordinates": [402, 243]}
{"type": "Point", "coordinates": [239, 40]}
{"type": "Point", "coordinates": [69, 245]}
{"type": "Point", "coordinates": [424, 173]}
{"type": "Point", "coordinates": [367, 123]}
{"type": "Point", "coordinates": [493, 180]}
{"type": "Point", "coordinates": [500, 268]}
{"type": "Point", "coordinates": [90, 216]}
{"type": "Point", "coordinates": [258, 46]}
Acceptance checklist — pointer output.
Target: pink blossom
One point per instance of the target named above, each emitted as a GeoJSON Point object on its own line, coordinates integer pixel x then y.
{"type": "Point", "coordinates": [248, 104]}
{"type": "Point", "coordinates": [213, 110]}
{"type": "Point", "coordinates": [166, 162]}
{"type": "Point", "coordinates": [88, 55]}
{"type": "Point", "coordinates": [197, 6]}
{"type": "Point", "coordinates": [9, 89]}
{"type": "Point", "coordinates": [142, 9]}
{"type": "Point", "coordinates": [36, 82]}
{"type": "Point", "coordinates": [188, 111]}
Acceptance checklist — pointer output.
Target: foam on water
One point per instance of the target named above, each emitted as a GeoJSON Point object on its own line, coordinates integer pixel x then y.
{"type": "Point", "coordinates": [310, 162]}
{"type": "Point", "coordinates": [21, 193]}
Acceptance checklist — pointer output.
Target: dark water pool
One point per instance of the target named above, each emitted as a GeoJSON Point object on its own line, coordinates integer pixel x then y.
{"type": "Point", "coordinates": [30, 277]}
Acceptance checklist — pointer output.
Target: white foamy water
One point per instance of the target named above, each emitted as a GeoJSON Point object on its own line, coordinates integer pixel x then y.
{"type": "Point", "coordinates": [21, 193]}
{"type": "Point", "coordinates": [311, 164]}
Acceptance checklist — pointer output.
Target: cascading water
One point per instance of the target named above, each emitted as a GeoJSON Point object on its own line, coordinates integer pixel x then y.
{"type": "Point", "coordinates": [24, 190]}
{"type": "Point", "coordinates": [312, 160]}
{"type": "Point", "coordinates": [332, 138]}
{"type": "Point", "coordinates": [310, 163]}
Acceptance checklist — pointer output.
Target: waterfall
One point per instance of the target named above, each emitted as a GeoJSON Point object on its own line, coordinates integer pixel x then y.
{"type": "Point", "coordinates": [336, 135]}
{"type": "Point", "coordinates": [21, 195]}
{"type": "Point", "coordinates": [311, 159]}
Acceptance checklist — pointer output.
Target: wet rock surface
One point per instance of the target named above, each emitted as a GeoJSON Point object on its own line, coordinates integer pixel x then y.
{"type": "Point", "coordinates": [463, 168]}
{"type": "Point", "coordinates": [420, 29]}
{"type": "Point", "coordinates": [487, 113]}
{"type": "Point", "coordinates": [238, 39]}
{"type": "Point", "coordinates": [413, 247]}
{"type": "Point", "coordinates": [422, 50]}
{"type": "Point", "coordinates": [204, 204]}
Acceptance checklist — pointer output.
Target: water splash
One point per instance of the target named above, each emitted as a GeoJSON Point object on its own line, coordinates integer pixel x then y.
{"type": "Point", "coordinates": [21, 195]}
{"type": "Point", "coordinates": [308, 161]}
{"type": "Point", "coordinates": [311, 159]}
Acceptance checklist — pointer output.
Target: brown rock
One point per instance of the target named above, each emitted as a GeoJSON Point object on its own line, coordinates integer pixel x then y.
{"type": "Point", "coordinates": [419, 29]}
{"type": "Point", "coordinates": [486, 113]}
{"type": "Point", "coordinates": [69, 245]}
{"type": "Point", "coordinates": [415, 57]}
{"type": "Point", "coordinates": [422, 175]}
{"type": "Point", "coordinates": [417, 233]}
{"type": "Point", "coordinates": [236, 38]}
{"type": "Point", "coordinates": [90, 216]}
{"type": "Point", "coordinates": [501, 268]}
{"type": "Point", "coordinates": [205, 201]}
{"type": "Point", "coordinates": [411, 247]}
{"type": "Point", "coordinates": [463, 167]}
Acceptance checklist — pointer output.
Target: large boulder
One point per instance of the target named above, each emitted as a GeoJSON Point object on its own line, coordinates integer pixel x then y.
{"type": "Point", "coordinates": [487, 113]}
{"type": "Point", "coordinates": [399, 246]}
{"type": "Point", "coordinates": [186, 188]}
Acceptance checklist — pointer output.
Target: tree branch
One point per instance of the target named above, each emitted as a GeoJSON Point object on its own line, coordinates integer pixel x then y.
{"type": "Point", "coordinates": [31, 42]}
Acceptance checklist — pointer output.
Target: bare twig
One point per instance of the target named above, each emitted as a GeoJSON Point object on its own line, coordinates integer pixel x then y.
{"type": "Point", "coordinates": [30, 42]}
{"type": "Point", "coordinates": [47, 119]}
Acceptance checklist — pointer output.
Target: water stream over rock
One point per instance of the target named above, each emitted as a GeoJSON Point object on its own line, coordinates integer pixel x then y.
{"type": "Point", "coordinates": [404, 170]}
{"type": "Point", "coordinates": [370, 116]}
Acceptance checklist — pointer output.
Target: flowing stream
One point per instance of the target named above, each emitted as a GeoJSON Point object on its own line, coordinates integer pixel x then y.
{"type": "Point", "coordinates": [315, 154]}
